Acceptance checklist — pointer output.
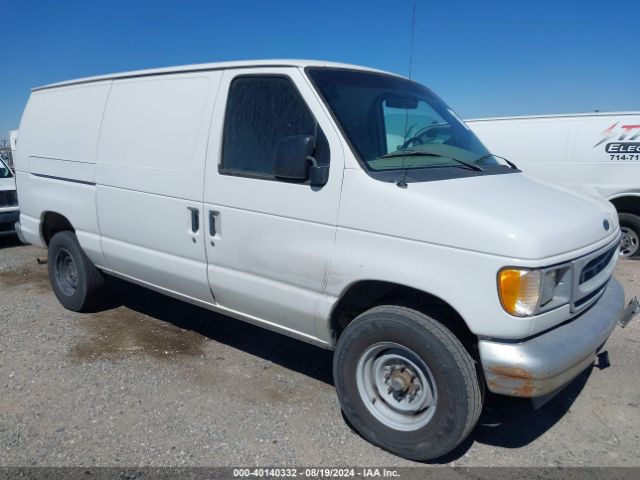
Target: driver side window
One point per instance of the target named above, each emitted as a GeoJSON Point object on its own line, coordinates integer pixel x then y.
{"type": "Point", "coordinates": [261, 111]}
{"type": "Point", "coordinates": [402, 124]}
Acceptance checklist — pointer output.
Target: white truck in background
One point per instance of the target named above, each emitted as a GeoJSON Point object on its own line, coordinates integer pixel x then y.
{"type": "Point", "coordinates": [597, 153]}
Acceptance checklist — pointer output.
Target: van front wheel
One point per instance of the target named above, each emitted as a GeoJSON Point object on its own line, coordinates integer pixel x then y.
{"type": "Point", "coordinates": [630, 241]}
{"type": "Point", "coordinates": [75, 280]}
{"type": "Point", "coordinates": [406, 383]}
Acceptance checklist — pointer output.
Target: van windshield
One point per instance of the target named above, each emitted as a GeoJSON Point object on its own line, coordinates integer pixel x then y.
{"type": "Point", "coordinates": [393, 123]}
{"type": "Point", "coordinates": [5, 172]}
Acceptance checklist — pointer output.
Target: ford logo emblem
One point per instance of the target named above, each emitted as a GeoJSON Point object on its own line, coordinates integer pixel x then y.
{"type": "Point", "coordinates": [605, 224]}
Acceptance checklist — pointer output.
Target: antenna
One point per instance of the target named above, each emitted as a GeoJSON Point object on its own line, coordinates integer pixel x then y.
{"type": "Point", "coordinates": [402, 183]}
{"type": "Point", "coordinates": [413, 34]}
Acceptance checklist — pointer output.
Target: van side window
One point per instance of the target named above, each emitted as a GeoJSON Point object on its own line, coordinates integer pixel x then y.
{"type": "Point", "coordinates": [260, 112]}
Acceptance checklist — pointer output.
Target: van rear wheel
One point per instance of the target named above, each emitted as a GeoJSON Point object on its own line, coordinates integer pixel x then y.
{"type": "Point", "coordinates": [406, 383]}
{"type": "Point", "coordinates": [630, 241]}
{"type": "Point", "coordinates": [75, 280]}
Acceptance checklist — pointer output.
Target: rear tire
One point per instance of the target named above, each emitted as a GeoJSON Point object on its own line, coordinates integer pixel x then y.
{"type": "Point", "coordinates": [75, 280]}
{"type": "Point", "coordinates": [406, 383]}
{"type": "Point", "coordinates": [630, 243]}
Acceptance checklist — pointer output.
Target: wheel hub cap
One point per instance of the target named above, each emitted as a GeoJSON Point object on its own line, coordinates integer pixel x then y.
{"type": "Point", "coordinates": [400, 381]}
{"type": "Point", "coordinates": [396, 386]}
{"type": "Point", "coordinates": [629, 242]}
{"type": "Point", "coordinates": [66, 272]}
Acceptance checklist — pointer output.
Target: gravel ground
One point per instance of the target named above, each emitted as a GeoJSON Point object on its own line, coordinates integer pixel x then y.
{"type": "Point", "coordinates": [153, 381]}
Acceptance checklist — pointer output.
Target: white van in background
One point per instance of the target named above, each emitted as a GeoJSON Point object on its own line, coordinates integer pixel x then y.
{"type": "Point", "coordinates": [598, 153]}
{"type": "Point", "coordinates": [298, 202]}
{"type": "Point", "coordinates": [13, 139]}
{"type": "Point", "coordinates": [13, 142]}
{"type": "Point", "coordinates": [9, 210]}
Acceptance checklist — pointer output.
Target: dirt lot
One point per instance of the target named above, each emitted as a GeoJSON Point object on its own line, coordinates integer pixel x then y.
{"type": "Point", "coordinates": [152, 381]}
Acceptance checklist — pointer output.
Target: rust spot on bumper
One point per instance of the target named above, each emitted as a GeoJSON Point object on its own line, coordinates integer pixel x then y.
{"type": "Point", "coordinates": [525, 390]}
{"type": "Point", "coordinates": [511, 372]}
{"type": "Point", "coordinates": [517, 381]}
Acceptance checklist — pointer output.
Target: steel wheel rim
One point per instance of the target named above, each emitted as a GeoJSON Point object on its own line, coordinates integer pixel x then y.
{"type": "Point", "coordinates": [629, 242]}
{"type": "Point", "coordinates": [66, 272]}
{"type": "Point", "coordinates": [396, 386]}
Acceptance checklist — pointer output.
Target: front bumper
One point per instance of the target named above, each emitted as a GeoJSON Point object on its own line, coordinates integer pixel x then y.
{"type": "Point", "coordinates": [545, 363]}
{"type": "Point", "coordinates": [8, 220]}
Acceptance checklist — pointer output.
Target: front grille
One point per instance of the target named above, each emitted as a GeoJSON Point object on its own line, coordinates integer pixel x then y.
{"type": "Point", "coordinates": [590, 296]}
{"type": "Point", "coordinates": [8, 198]}
{"type": "Point", "coordinates": [595, 266]}
{"type": "Point", "coordinates": [592, 273]}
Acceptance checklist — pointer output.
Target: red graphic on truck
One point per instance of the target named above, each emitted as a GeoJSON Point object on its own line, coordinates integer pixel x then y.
{"type": "Point", "coordinates": [624, 143]}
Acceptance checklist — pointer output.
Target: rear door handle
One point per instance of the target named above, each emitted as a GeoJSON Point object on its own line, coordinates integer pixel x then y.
{"type": "Point", "coordinates": [195, 219]}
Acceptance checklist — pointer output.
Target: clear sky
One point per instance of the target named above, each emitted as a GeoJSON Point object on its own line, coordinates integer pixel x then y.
{"type": "Point", "coordinates": [484, 58]}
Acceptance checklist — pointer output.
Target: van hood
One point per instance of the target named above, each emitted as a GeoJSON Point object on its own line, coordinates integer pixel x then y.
{"type": "Point", "coordinates": [510, 215]}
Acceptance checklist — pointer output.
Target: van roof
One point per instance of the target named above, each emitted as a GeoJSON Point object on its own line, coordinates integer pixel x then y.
{"type": "Point", "coordinates": [211, 66]}
{"type": "Point", "coordinates": [560, 115]}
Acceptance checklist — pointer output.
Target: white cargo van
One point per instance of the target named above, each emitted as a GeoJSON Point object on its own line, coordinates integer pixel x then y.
{"type": "Point", "coordinates": [9, 210]}
{"type": "Point", "coordinates": [346, 207]}
{"type": "Point", "coordinates": [598, 153]}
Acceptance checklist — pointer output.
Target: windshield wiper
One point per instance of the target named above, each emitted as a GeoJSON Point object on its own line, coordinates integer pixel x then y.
{"type": "Point", "coordinates": [417, 153]}
{"type": "Point", "coordinates": [508, 162]}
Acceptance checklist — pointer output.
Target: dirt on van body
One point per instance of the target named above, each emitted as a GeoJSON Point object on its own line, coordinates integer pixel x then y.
{"type": "Point", "coordinates": [153, 381]}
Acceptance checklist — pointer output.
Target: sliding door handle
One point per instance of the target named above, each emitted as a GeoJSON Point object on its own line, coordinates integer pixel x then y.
{"type": "Point", "coordinates": [212, 223]}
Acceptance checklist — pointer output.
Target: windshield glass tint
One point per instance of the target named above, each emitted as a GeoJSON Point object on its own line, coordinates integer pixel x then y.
{"type": "Point", "coordinates": [4, 170]}
{"type": "Point", "coordinates": [394, 123]}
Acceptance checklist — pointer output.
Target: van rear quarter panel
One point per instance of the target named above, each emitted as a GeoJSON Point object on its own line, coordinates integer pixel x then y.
{"type": "Point", "coordinates": [55, 160]}
{"type": "Point", "coordinates": [63, 124]}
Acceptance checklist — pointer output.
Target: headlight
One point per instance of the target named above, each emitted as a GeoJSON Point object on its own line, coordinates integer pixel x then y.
{"type": "Point", "coordinates": [526, 292]}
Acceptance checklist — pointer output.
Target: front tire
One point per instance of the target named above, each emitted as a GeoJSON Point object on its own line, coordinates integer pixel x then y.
{"type": "Point", "coordinates": [630, 242]}
{"type": "Point", "coordinates": [75, 280]}
{"type": "Point", "coordinates": [406, 383]}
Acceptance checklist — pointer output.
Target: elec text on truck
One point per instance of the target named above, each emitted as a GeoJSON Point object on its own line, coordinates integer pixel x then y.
{"type": "Point", "coordinates": [625, 145]}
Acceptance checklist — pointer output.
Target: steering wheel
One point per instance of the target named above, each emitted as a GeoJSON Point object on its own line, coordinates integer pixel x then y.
{"type": "Point", "coordinates": [426, 133]}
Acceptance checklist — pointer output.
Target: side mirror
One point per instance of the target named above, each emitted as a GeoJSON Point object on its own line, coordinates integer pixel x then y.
{"type": "Point", "coordinates": [294, 161]}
